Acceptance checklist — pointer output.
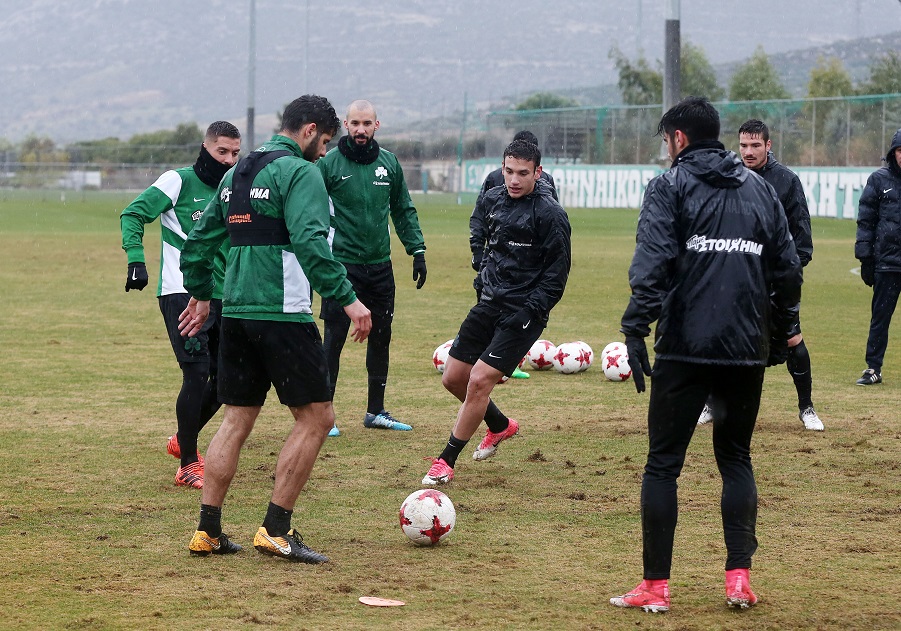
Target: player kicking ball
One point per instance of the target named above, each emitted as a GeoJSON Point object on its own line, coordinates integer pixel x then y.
{"type": "Point", "coordinates": [523, 275]}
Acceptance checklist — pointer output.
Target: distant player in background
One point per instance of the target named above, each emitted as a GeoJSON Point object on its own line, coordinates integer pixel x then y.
{"type": "Point", "coordinates": [754, 145]}
{"type": "Point", "coordinates": [366, 185]}
{"type": "Point", "coordinates": [178, 198]}
{"type": "Point", "coordinates": [524, 272]}
{"type": "Point", "coordinates": [878, 247]}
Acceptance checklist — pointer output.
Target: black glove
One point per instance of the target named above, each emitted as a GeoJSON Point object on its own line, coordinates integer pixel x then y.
{"type": "Point", "coordinates": [868, 271]}
{"type": "Point", "coordinates": [137, 277]}
{"type": "Point", "coordinates": [778, 351]}
{"type": "Point", "coordinates": [638, 361]}
{"type": "Point", "coordinates": [477, 259]}
{"type": "Point", "coordinates": [520, 321]}
{"type": "Point", "coordinates": [419, 270]}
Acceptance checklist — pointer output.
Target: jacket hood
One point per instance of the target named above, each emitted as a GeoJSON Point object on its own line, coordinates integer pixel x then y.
{"type": "Point", "coordinates": [896, 142]}
{"type": "Point", "coordinates": [714, 165]}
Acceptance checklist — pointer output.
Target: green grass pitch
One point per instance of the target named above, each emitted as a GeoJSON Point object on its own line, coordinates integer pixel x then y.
{"type": "Point", "coordinates": [93, 533]}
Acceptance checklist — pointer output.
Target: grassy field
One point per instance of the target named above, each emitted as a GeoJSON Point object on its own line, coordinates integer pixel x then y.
{"type": "Point", "coordinates": [93, 534]}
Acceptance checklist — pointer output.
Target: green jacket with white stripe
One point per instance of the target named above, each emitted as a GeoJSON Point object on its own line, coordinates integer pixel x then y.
{"type": "Point", "coordinates": [270, 282]}
{"type": "Point", "coordinates": [177, 198]}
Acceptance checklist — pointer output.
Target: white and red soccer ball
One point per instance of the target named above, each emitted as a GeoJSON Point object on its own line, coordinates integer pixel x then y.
{"type": "Point", "coordinates": [439, 357]}
{"type": "Point", "coordinates": [572, 357]}
{"type": "Point", "coordinates": [427, 516]}
{"type": "Point", "coordinates": [615, 362]}
{"type": "Point", "coordinates": [588, 356]}
{"type": "Point", "coordinates": [541, 355]}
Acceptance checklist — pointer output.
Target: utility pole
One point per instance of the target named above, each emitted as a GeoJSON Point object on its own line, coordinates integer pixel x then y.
{"type": "Point", "coordinates": [251, 71]}
{"type": "Point", "coordinates": [672, 51]}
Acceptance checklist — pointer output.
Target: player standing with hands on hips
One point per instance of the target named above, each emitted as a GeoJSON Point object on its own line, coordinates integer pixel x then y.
{"type": "Point", "coordinates": [716, 267]}
{"type": "Point", "coordinates": [178, 198]}
{"type": "Point", "coordinates": [272, 209]}
{"type": "Point", "coordinates": [523, 273]}
{"type": "Point", "coordinates": [878, 247]}
{"type": "Point", "coordinates": [366, 185]}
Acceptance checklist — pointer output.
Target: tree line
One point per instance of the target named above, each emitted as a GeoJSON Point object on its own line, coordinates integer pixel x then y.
{"type": "Point", "coordinates": [640, 82]}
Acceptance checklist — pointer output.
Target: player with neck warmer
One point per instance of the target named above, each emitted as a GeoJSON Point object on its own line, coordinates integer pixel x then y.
{"type": "Point", "coordinates": [178, 198]}
{"type": "Point", "coordinates": [366, 185]}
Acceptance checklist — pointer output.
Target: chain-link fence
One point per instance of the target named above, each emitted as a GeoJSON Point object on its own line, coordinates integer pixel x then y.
{"type": "Point", "coordinates": [835, 131]}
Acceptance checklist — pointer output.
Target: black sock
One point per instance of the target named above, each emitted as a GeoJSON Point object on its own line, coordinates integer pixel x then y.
{"type": "Point", "coordinates": [495, 419]}
{"type": "Point", "coordinates": [210, 404]}
{"type": "Point", "coordinates": [278, 520]}
{"type": "Point", "coordinates": [210, 520]}
{"type": "Point", "coordinates": [798, 364]}
{"type": "Point", "coordinates": [188, 407]}
{"type": "Point", "coordinates": [452, 450]}
{"type": "Point", "coordinates": [376, 401]}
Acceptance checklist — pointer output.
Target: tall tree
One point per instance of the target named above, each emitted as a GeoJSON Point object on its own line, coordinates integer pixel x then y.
{"type": "Point", "coordinates": [546, 101]}
{"type": "Point", "coordinates": [757, 80]}
{"type": "Point", "coordinates": [885, 75]}
{"type": "Point", "coordinates": [698, 77]}
{"type": "Point", "coordinates": [829, 78]}
{"type": "Point", "coordinates": [638, 82]}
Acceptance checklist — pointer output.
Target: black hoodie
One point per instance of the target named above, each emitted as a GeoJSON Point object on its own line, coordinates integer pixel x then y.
{"type": "Point", "coordinates": [714, 262]}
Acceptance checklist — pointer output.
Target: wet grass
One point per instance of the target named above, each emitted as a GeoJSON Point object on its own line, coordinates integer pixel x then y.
{"type": "Point", "coordinates": [93, 533]}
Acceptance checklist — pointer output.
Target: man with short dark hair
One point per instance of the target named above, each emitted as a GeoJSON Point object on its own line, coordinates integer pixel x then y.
{"type": "Point", "coordinates": [878, 247]}
{"type": "Point", "coordinates": [716, 267]}
{"type": "Point", "coordinates": [178, 197]}
{"type": "Point", "coordinates": [523, 275]}
{"type": "Point", "coordinates": [366, 185]}
{"type": "Point", "coordinates": [273, 211]}
{"type": "Point", "coordinates": [755, 149]}
{"type": "Point", "coordinates": [478, 223]}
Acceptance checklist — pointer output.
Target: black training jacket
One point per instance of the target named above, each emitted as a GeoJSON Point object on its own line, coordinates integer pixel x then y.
{"type": "Point", "coordinates": [714, 262]}
{"type": "Point", "coordinates": [791, 193]}
{"type": "Point", "coordinates": [478, 224]}
{"type": "Point", "coordinates": [527, 259]}
{"type": "Point", "coordinates": [879, 215]}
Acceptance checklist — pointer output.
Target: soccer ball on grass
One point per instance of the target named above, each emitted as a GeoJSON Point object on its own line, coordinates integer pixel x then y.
{"type": "Point", "coordinates": [427, 516]}
{"type": "Point", "coordinates": [615, 362]}
{"type": "Point", "coordinates": [571, 357]}
{"type": "Point", "coordinates": [541, 355]}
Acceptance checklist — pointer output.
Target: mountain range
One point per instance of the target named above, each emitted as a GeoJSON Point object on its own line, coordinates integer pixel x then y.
{"type": "Point", "coordinates": [113, 68]}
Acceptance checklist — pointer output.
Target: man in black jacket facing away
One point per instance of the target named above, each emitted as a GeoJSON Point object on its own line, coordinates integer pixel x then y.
{"type": "Point", "coordinates": [878, 248]}
{"type": "Point", "coordinates": [523, 275]}
{"type": "Point", "coordinates": [716, 267]}
{"type": "Point", "coordinates": [754, 145]}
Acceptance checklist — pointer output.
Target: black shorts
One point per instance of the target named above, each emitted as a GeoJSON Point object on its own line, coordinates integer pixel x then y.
{"type": "Point", "coordinates": [255, 354]}
{"type": "Point", "coordinates": [202, 346]}
{"type": "Point", "coordinates": [374, 286]}
{"type": "Point", "coordinates": [484, 335]}
{"type": "Point", "coordinates": [796, 324]}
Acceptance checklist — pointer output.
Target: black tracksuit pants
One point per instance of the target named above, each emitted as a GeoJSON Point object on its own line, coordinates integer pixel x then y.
{"type": "Point", "coordinates": [678, 393]}
{"type": "Point", "coordinates": [885, 298]}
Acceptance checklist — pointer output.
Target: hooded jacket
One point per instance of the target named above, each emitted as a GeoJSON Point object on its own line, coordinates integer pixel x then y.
{"type": "Point", "coordinates": [879, 215]}
{"type": "Point", "coordinates": [791, 193]}
{"type": "Point", "coordinates": [714, 263]}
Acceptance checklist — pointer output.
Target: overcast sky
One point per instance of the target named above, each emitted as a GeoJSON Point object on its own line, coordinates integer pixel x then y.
{"type": "Point", "coordinates": [92, 68]}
